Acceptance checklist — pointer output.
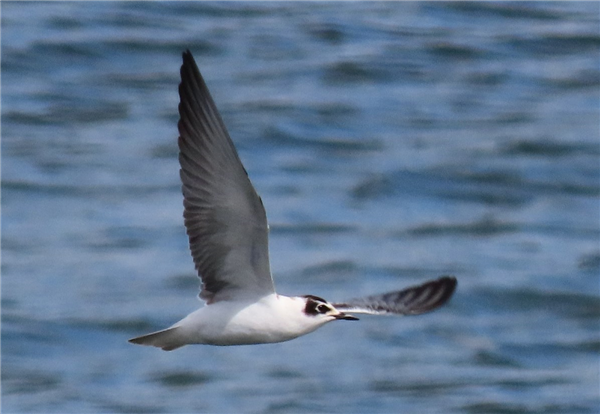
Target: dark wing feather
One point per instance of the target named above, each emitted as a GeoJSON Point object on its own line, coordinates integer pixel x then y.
{"type": "Point", "coordinates": [224, 216]}
{"type": "Point", "coordinates": [410, 301]}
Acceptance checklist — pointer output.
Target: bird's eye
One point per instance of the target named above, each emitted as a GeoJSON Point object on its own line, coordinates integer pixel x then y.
{"type": "Point", "coordinates": [322, 309]}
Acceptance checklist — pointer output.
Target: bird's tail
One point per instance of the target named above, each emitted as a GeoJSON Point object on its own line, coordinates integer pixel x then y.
{"type": "Point", "coordinates": [167, 339]}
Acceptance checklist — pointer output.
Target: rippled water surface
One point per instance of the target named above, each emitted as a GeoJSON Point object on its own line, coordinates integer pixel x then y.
{"type": "Point", "coordinates": [390, 142]}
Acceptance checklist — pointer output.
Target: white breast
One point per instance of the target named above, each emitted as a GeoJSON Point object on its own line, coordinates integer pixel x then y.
{"type": "Point", "coordinates": [274, 318]}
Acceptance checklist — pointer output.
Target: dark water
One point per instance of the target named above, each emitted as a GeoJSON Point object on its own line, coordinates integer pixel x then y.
{"type": "Point", "coordinates": [391, 143]}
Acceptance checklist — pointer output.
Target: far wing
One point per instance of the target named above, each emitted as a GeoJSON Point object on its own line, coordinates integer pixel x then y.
{"type": "Point", "coordinates": [410, 301]}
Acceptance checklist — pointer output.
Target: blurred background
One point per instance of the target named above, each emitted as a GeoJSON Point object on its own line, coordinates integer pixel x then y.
{"type": "Point", "coordinates": [391, 143]}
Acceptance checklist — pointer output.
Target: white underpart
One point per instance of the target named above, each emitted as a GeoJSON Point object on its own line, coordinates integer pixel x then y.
{"type": "Point", "coordinates": [274, 318]}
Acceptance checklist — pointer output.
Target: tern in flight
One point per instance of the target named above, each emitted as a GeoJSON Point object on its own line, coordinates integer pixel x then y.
{"type": "Point", "coordinates": [228, 236]}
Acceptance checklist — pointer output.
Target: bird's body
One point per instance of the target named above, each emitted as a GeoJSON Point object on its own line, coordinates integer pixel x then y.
{"type": "Point", "coordinates": [273, 318]}
{"type": "Point", "coordinates": [228, 234]}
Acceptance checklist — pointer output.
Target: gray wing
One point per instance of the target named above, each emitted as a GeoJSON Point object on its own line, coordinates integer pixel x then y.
{"type": "Point", "coordinates": [224, 216]}
{"type": "Point", "coordinates": [410, 301]}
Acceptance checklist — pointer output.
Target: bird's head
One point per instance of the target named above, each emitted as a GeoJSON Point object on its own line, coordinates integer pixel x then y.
{"type": "Point", "coordinates": [319, 308]}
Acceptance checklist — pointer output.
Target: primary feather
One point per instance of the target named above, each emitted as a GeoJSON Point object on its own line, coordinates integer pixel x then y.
{"type": "Point", "coordinates": [410, 301]}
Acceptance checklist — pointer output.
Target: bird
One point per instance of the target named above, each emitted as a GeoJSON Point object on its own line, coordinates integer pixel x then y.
{"type": "Point", "coordinates": [226, 224]}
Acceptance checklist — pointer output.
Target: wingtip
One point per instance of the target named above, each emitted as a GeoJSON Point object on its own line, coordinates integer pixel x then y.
{"type": "Point", "coordinates": [188, 60]}
{"type": "Point", "coordinates": [450, 281]}
{"type": "Point", "coordinates": [437, 293]}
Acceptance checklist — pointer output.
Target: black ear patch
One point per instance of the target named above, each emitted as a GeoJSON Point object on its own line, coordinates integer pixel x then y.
{"type": "Point", "coordinates": [315, 305]}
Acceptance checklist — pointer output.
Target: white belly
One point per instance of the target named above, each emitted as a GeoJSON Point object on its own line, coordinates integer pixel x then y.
{"type": "Point", "coordinates": [274, 318]}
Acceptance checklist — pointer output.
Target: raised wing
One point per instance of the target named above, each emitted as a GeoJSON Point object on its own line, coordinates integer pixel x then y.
{"type": "Point", "coordinates": [224, 216]}
{"type": "Point", "coordinates": [410, 301]}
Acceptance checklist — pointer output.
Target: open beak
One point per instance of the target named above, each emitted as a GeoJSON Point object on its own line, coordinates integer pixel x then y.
{"type": "Point", "coordinates": [346, 317]}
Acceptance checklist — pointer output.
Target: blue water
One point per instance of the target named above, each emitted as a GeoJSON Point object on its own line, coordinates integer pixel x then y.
{"type": "Point", "coordinates": [391, 143]}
